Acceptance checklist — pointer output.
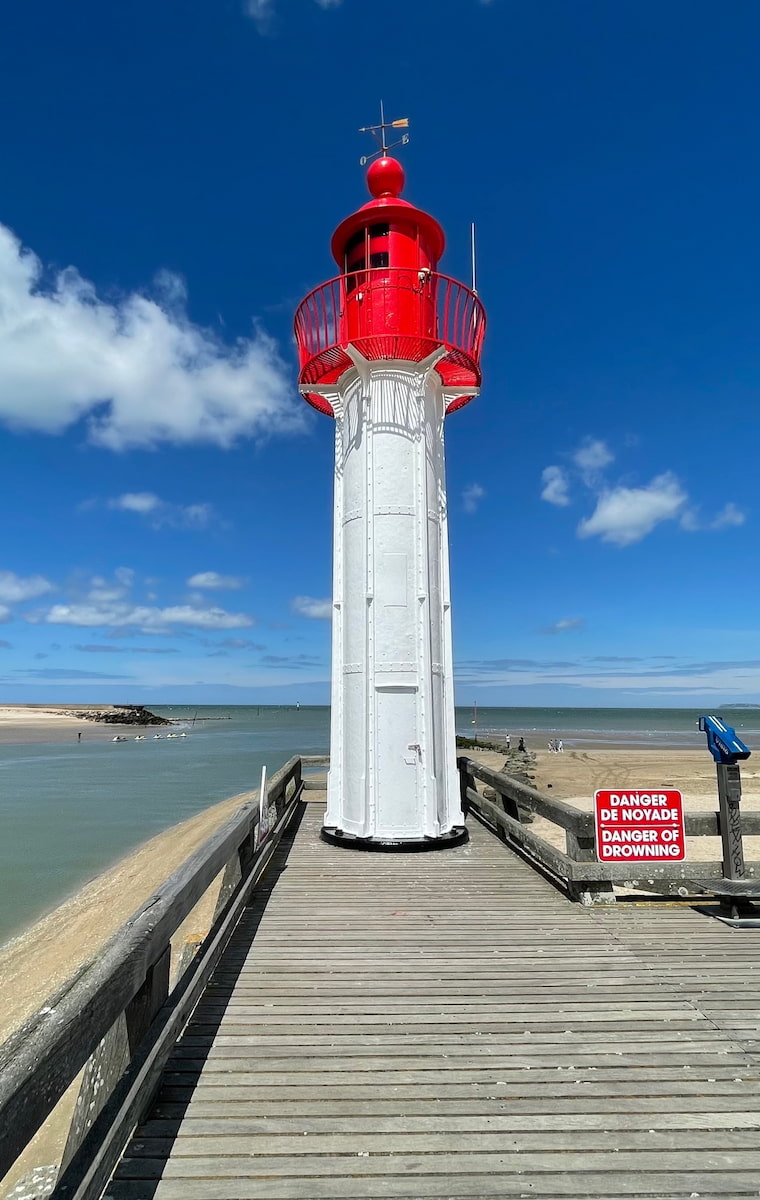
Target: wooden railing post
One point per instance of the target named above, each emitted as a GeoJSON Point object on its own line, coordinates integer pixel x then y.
{"type": "Point", "coordinates": [466, 780]}
{"type": "Point", "coordinates": [582, 848]}
{"type": "Point", "coordinates": [114, 1054]}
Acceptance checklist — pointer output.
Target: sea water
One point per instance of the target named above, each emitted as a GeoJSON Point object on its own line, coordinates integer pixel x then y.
{"type": "Point", "coordinates": [70, 810]}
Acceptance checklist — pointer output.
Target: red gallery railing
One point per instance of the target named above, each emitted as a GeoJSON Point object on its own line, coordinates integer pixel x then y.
{"type": "Point", "coordinates": [391, 313]}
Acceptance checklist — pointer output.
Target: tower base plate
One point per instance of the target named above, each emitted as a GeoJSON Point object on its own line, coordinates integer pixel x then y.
{"type": "Point", "coordinates": [349, 841]}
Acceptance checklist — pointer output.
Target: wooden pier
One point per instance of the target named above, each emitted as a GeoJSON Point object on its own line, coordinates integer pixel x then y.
{"type": "Point", "coordinates": [452, 1025]}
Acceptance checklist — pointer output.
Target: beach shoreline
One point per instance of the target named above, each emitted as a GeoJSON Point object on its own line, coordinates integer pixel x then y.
{"type": "Point", "coordinates": [27, 724]}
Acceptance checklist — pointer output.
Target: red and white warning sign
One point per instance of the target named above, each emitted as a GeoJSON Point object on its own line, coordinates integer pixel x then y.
{"type": "Point", "coordinates": [639, 826]}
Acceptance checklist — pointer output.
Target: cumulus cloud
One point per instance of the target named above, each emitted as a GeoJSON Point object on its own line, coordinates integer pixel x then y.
{"type": "Point", "coordinates": [262, 12]}
{"type": "Point", "coordinates": [108, 604]}
{"type": "Point", "coordinates": [566, 625]}
{"type": "Point", "coordinates": [471, 497]}
{"type": "Point", "coordinates": [212, 581]}
{"type": "Point", "coordinates": [555, 483]}
{"type": "Point", "coordinates": [624, 515]}
{"type": "Point", "coordinates": [136, 369]}
{"type": "Point", "coordinates": [307, 606]}
{"type": "Point", "coordinates": [730, 515]}
{"type": "Point", "coordinates": [148, 618]}
{"type": "Point", "coordinates": [161, 513]}
{"type": "Point", "coordinates": [591, 458]}
{"type": "Point", "coordinates": [16, 588]}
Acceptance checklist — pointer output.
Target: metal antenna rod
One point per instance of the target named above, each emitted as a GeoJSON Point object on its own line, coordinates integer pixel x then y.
{"type": "Point", "coordinates": [472, 252]}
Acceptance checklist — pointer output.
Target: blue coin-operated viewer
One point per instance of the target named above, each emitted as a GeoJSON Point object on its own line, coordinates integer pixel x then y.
{"type": "Point", "coordinates": [722, 741]}
{"type": "Point", "coordinates": [727, 749]}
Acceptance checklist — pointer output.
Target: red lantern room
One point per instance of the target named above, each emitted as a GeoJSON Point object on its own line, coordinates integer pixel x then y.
{"type": "Point", "coordinates": [389, 301]}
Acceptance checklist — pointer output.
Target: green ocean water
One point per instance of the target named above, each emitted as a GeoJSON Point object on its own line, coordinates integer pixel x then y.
{"type": "Point", "coordinates": [68, 811]}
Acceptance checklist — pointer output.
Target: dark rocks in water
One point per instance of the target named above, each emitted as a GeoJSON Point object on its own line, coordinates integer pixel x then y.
{"type": "Point", "coordinates": [123, 714]}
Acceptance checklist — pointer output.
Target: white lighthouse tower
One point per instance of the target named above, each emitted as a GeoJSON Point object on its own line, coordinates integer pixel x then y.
{"type": "Point", "coordinates": [388, 348]}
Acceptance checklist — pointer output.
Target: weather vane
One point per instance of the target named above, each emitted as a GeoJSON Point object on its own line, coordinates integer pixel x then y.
{"type": "Point", "coordinates": [379, 134]}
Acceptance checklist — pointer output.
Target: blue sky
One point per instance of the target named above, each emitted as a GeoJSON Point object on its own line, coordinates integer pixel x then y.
{"type": "Point", "coordinates": [172, 173]}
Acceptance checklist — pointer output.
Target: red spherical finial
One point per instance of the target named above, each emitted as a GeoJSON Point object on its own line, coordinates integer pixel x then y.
{"type": "Point", "coordinates": [385, 177]}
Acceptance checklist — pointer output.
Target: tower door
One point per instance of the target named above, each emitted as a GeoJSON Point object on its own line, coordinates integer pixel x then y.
{"type": "Point", "coordinates": [397, 763]}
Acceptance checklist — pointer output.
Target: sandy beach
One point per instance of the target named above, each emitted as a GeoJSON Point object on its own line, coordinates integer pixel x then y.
{"type": "Point", "coordinates": [25, 724]}
{"type": "Point", "coordinates": [575, 775]}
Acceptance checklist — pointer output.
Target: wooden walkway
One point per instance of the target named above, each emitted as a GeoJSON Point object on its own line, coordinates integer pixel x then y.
{"type": "Point", "coordinates": [449, 1025]}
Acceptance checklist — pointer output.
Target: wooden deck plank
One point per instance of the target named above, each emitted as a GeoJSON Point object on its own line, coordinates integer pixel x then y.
{"type": "Point", "coordinates": [451, 1026]}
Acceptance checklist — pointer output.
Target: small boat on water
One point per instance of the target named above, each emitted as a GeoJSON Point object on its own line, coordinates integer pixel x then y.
{"type": "Point", "coordinates": [119, 738]}
{"type": "Point", "coordinates": [140, 737]}
{"type": "Point", "coordinates": [157, 737]}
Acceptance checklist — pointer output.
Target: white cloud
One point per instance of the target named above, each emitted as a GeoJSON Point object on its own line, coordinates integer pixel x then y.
{"type": "Point", "coordinates": [730, 515]}
{"type": "Point", "coordinates": [148, 618]}
{"type": "Point", "coordinates": [214, 581]}
{"type": "Point", "coordinates": [566, 625]}
{"type": "Point", "coordinates": [307, 606]}
{"type": "Point", "coordinates": [137, 502]}
{"type": "Point", "coordinates": [471, 497]}
{"type": "Point", "coordinates": [5, 614]}
{"type": "Point", "coordinates": [262, 12]}
{"type": "Point", "coordinates": [591, 458]}
{"type": "Point", "coordinates": [16, 588]}
{"type": "Point", "coordinates": [625, 515]}
{"type": "Point", "coordinates": [136, 369]}
{"type": "Point", "coordinates": [555, 484]}
{"type": "Point", "coordinates": [161, 513]}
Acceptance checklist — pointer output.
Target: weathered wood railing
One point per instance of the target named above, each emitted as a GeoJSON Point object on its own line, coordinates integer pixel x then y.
{"type": "Point", "coordinates": [586, 880]}
{"type": "Point", "coordinates": [117, 1018]}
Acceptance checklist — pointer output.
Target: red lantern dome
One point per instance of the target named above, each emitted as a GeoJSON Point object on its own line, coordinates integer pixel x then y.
{"type": "Point", "coordinates": [389, 300]}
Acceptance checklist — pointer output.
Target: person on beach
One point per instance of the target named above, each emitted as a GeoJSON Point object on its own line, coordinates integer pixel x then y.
{"type": "Point", "coordinates": [521, 745]}
{"type": "Point", "coordinates": [508, 741]}
{"type": "Point", "coordinates": [79, 736]}
{"type": "Point", "coordinates": [560, 747]}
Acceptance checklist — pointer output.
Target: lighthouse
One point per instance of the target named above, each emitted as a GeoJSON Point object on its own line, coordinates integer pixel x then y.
{"type": "Point", "coordinates": [388, 348]}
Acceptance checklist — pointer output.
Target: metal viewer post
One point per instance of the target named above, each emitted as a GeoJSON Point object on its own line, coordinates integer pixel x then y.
{"type": "Point", "coordinates": [727, 749]}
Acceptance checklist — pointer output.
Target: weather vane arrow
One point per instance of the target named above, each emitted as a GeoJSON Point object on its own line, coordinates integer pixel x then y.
{"type": "Point", "coordinates": [379, 134]}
